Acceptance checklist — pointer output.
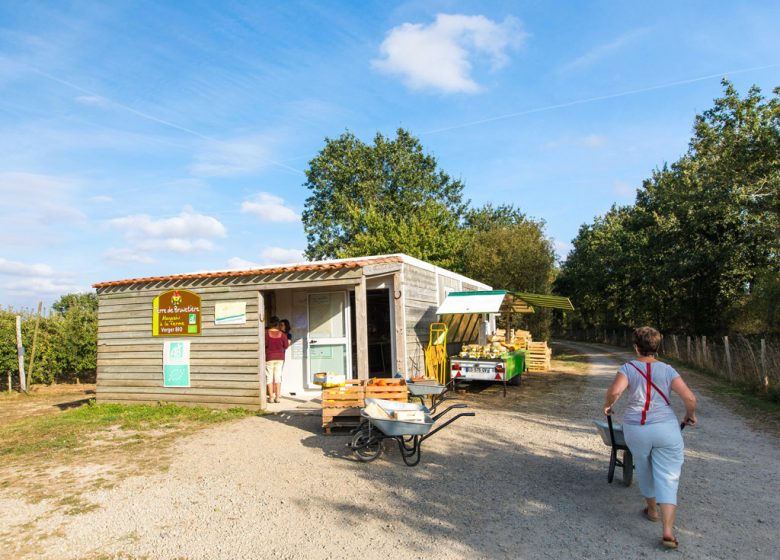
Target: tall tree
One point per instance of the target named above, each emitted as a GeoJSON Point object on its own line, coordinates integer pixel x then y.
{"type": "Point", "coordinates": [382, 198]}
{"type": "Point", "coordinates": [508, 251]}
{"type": "Point", "coordinates": [702, 239]}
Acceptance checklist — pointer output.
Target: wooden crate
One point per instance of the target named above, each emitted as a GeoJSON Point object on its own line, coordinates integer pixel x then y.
{"type": "Point", "coordinates": [538, 356]}
{"type": "Point", "coordinates": [341, 405]}
{"type": "Point", "coordinates": [391, 390]}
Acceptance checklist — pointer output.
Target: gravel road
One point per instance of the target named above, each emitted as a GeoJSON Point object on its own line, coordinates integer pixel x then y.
{"type": "Point", "coordinates": [525, 478]}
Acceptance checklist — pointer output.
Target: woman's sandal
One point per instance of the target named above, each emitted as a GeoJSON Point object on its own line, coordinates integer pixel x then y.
{"type": "Point", "coordinates": [652, 518]}
{"type": "Point", "coordinates": [671, 543]}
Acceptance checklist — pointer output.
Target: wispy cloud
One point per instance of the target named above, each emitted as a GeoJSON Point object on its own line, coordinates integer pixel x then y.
{"type": "Point", "coordinates": [39, 199]}
{"type": "Point", "coordinates": [25, 279]}
{"type": "Point", "coordinates": [440, 56]}
{"type": "Point", "coordinates": [270, 208]}
{"type": "Point", "coordinates": [239, 156]}
{"type": "Point", "coordinates": [189, 232]}
{"type": "Point", "coordinates": [605, 50]}
{"type": "Point", "coordinates": [589, 141]}
{"type": "Point", "coordinates": [624, 189]}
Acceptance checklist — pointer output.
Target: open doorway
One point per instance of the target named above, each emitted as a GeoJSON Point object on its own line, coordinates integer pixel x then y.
{"type": "Point", "coordinates": [380, 345]}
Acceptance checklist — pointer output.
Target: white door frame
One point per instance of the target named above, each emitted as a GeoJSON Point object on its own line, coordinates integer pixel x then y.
{"type": "Point", "coordinates": [346, 339]}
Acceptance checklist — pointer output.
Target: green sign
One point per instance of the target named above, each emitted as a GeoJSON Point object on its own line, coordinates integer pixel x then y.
{"type": "Point", "coordinates": [176, 363]}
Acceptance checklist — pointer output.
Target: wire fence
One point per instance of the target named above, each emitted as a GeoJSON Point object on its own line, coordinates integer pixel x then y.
{"type": "Point", "coordinates": [752, 362]}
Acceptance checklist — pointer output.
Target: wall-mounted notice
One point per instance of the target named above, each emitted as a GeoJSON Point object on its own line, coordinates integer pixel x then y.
{"type": "Point", "coordinates": [176, 313]}
{"type": "Point", "coordinates": [230, 313]}
{"type": "Point", "coordinates": [176, 363]}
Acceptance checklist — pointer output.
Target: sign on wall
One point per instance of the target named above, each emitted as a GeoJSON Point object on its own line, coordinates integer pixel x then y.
{"type": "Point", "coordinates": [230, 313]}
{"type": "Point", "coordinates": [176, 363]}
{"type": "Point", "coordinates": [176, 313]}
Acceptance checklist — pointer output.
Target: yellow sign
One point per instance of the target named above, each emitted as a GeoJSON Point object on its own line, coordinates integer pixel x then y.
{"type": "Point", "coordinates": [176, 313]}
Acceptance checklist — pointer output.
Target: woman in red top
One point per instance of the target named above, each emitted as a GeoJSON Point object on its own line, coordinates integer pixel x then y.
{"type": "Point", "coordinates": [276, 342]}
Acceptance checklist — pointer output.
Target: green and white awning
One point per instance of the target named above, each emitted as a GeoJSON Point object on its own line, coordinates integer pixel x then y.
{"type": "Point", "coordinates": [500, 301]}
{"type": "Point", "coordinates": [461, 311]}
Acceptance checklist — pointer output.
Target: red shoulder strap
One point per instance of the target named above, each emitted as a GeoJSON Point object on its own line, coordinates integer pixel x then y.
{"type": "Point", "coordinates": [650, 387]}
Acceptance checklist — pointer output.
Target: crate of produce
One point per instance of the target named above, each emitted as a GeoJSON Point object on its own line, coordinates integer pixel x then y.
{"type": "Point", "coordinates": [389, 389]}
{"type": "Point", "coordinates": [341, 405]}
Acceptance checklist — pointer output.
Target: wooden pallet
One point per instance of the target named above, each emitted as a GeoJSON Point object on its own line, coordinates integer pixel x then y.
{"type": "Point", "coordinates": [341, 405]}
{"type": "Point", "coordinates": [392, 390]}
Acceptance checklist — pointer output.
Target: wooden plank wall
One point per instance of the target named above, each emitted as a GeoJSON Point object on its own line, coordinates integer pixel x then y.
{"type": "Point", "coordinates": [420, 301]}
{"type": "Point", "coordinates": [224, 360]}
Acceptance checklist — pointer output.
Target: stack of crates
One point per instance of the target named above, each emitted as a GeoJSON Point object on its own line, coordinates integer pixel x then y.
{"type": "Point", "coordinates": [538, 356]}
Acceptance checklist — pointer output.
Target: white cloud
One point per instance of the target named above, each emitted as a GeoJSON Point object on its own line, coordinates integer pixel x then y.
{"type": "Point", "coordinates": [38, 198]}
{"type": "Point", "coordinates": [241, 264]}
{"type": "Point", "coordinates": [187, 224]}
{"type": "Point", "coordinates": [279, 255]}
{"type": "Point", "coordinates": [125, 255]}
{"type": "Point", "coordinates": [34, 279]}
{"type": "Point", "coordinates": [624, 189]}
{"type": "Point", "coordinates": [269, 256]}
{"type": "Point", "coordinates": [14, 268]}
{"type": "Point", "coordinates": [602, 51]}
{"type": "Point", "coordinates": [440, 56]}
{"type": "Point", "coordinates": [233, 157]}
{"type": "Point", "coordinates": [42, 287]}
{"type": "Point", "coordinates": [189, 232]}
{"type": "Point", "coordinates": [270, 208]}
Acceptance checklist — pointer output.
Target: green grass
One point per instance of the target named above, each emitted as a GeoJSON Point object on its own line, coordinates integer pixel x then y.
{"type": "Point", "coordinates": [75, 428]}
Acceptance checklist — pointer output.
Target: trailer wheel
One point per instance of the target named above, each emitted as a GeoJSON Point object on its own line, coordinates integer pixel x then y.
{"type": "Point", "coordinates": [516, 380]}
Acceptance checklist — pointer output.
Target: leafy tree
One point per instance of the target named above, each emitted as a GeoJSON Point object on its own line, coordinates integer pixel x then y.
{"type": "Point", "coordinates": [381, 198]}
{"type": "Point", "coordinates": [702, 239]}
{"type": "Point", "coordinates": [508, 251]}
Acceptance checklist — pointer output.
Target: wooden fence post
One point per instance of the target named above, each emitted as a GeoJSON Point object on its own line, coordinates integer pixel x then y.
{"type": "Point", "coordinates": [20, 354]}
{"type": "Point", "coordinates": [728, 356]}
{"type": "Point", "coordinates": [764, 369]}
{"type": "Point", "coordinates": [688, 356]}
{"type": "Point", "coordinates": [705, 358]}
{"type": "Point", "coordinates": [9, 380]}
{"type": "Point", "coordinates": [674, 345]}
{"type": "Point", "coordinates": [35, 340]}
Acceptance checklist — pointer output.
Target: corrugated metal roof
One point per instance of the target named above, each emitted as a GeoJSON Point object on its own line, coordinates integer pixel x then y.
{"type": "Point", "coordinates": [304, 267]}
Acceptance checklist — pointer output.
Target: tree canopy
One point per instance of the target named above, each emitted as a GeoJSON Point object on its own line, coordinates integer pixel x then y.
{"type": "Point", "coordinates": [386, 197]}
{"type": "Point", "coordinates": [701, 240]}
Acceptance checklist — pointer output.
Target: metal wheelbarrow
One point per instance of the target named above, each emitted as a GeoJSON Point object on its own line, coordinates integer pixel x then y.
{"type": "Point", "coordinates": [612, 435]}
{"type": "Point", "coordinates": [368, 439]}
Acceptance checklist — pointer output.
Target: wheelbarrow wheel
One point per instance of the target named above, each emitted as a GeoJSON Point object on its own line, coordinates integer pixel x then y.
{"type": "Point", "coordinates": [612, 463]}
{"type": "Point", "coordinates": [366, 447]}
{"type": "Point", "coordinates": [628, 467]}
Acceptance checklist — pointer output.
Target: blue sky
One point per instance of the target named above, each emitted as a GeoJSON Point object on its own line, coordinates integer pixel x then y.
{"type": "Point", "coordinates": [152, 138]}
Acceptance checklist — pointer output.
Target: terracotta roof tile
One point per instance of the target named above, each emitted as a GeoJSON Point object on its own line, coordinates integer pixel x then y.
{"type": "Point", "coordinates": [356, 263]}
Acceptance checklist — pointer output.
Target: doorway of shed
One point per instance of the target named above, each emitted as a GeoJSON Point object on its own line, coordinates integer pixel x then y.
{"type": "Point", "coordinates": [379, 323]}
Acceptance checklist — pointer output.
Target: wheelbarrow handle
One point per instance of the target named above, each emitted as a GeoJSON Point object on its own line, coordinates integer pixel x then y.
{"type": "Point", "coordinates": [446, 410]}
{"type": "Point", "coordinates": [447, 423]}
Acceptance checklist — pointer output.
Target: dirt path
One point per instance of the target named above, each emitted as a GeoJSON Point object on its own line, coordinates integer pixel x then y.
{"type": "Point", "coordinates": [525, 478]}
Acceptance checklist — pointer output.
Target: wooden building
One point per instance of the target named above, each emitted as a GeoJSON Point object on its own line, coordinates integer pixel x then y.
{"type": "Point", "coordinates": [198, 338]}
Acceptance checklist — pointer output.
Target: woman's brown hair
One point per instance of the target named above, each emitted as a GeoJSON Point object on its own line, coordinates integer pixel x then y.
{"type": "Point", "coordinates": [647, 341]}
